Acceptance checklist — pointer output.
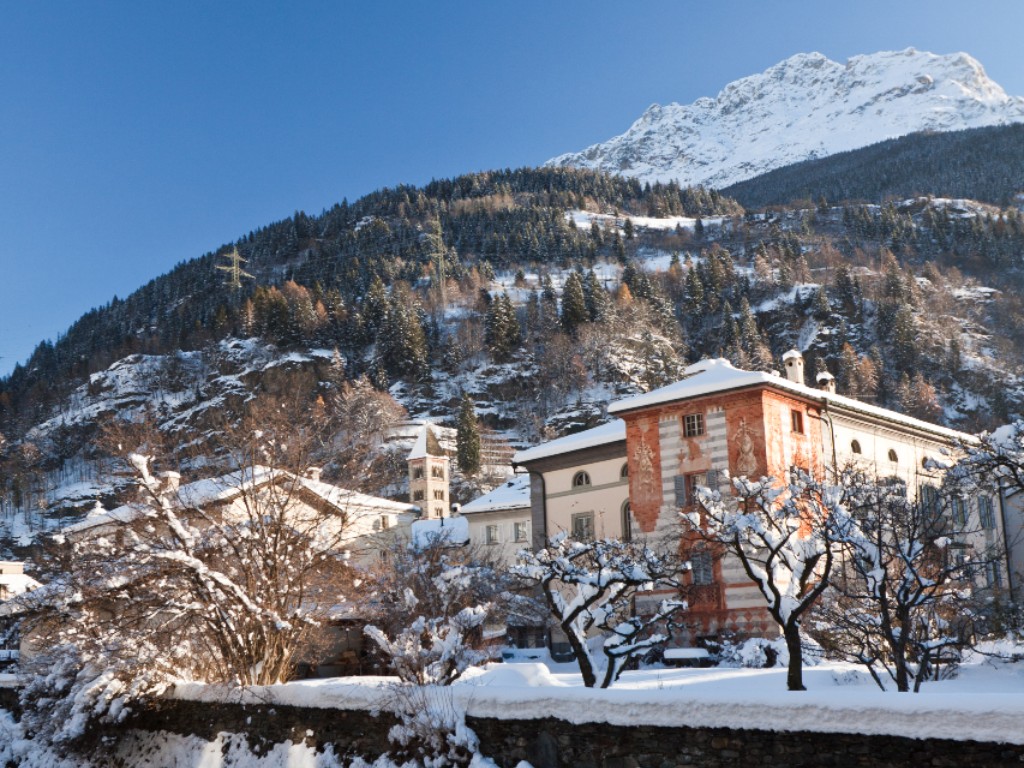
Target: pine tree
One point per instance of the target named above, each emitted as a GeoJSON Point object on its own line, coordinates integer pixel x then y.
{"type": "Point", "coordinates": [595, 297]}
{"type": "Point", "coordinates": [468, 438]}
{"type": "Point", "coordinates": [501, 330]}
{"type": "Point", "coordinates": [574, 304]}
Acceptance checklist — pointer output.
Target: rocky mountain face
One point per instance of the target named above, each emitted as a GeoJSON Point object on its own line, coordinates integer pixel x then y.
{"type": "Point", "coordinates": [805, 107]}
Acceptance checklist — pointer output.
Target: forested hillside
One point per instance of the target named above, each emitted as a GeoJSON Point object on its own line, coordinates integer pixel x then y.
{"type": "Point", "coordinates": [978, 164]}
{"type": "Point", "coordinates": [540, 294]}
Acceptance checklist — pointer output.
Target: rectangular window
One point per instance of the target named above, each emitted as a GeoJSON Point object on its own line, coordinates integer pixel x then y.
{"type": "Point", "coordinates": [686, 486]}
{"type": "Point", "coordinates": [417, 473]}
{"type": "Point", "coordinates": [797, 418]}
{"type": "Point", "coordinates": [417, 495]}
{"type": "Point", "coordinates": [492, 534]}
{"type": "Point", "coordinates": [701, 567]}
{"type": "Point", "coordinates": [437, 472]}
{"type": "Point", "coordinates": [583, 526]}
{"type": "Point", "coordinates": [693, 424]}
{"type": "Point", "coordinates": [929, 497]}
{"type": "Point", "coordinates": [521, 531]}
{"type": "Point", "coordinates": [986, 513]}
{"type": "Point", "coordinates": [993, 574]}
{"type": "Point", "coordinates": [439, 494]}
{"type": "Point", "coordinates": [959, 511]}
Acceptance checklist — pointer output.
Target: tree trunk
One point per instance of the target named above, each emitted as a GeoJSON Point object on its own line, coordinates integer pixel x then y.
{"type": "Point", "coordinates": [579, 649]}
{"type": "Point", "coordinates": [795, 675]}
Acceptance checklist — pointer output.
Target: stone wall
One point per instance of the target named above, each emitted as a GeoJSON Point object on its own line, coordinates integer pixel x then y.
{"type": "Point", "coordinates": [556, 744]}
{"type": "Point", "coordinates": [352, 732]}
{"type": "Point", "coordinates": [553, 743]}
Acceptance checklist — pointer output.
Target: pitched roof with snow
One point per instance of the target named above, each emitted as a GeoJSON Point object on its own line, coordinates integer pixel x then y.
{"type": "Point", "coordinates": [342, 498]}
{"type": "Point", "coordinates": [437, 530]}
{"type": "Point", "coordinates": [224, 488]}
{"type": "Point", "coordinates": [427, 444]}
{"type": "Point", "coordinates": [719, 375]}
{"type": "Point", "coordinates": [514, 494]}
{"type": "Point", "coordinates": [612, 432]}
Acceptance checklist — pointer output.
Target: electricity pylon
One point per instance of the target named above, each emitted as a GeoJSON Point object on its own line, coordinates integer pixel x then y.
{"type": "Point", "coordinates": [234, 269]}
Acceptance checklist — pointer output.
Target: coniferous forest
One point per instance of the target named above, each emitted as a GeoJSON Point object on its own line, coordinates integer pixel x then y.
{"type": "Point", "coordinates": [541, 293]}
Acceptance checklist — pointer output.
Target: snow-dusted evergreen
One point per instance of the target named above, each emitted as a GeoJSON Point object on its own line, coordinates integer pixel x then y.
{"type": "Point", "coordinates": [804, 107]}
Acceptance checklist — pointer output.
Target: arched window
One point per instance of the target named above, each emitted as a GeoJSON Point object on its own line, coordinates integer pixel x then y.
{"type": "Point", "coordinates": [893, 457]}
{"type": "Point", "coordinates": [627, 522]}
{"type": "Point", "coordinates": [855, 447]}
{"type": "Point", "coordinates": [624, 472]}
{"type": "Point", "coordinates": [580, 480]}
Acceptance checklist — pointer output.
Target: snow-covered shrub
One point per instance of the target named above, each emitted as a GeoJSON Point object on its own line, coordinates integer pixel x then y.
{"type": "Point", "coordinates": [761, 653]}
{"type": "Point", "coordinates": [432, 732]}
{"type": "Point", "coordinates": [435, 650]}
{"type": "Point", "coordinates": [66, 695]}
{"type": "Point", "coordinates": [428, 605]}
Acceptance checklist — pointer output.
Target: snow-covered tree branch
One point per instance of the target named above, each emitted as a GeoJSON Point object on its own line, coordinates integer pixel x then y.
{"type": "Point", "coordinates": [589, 587]}
{"type": "Point", "coordinates": [785, 537]}
{"type": "Point", "coordinates": [903, 592]}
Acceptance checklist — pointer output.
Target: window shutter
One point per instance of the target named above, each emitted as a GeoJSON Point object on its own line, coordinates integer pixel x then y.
{"type": "Point", "coordinates": [713, 479]}
{"type": "Point", "coordinates": [680, 486]}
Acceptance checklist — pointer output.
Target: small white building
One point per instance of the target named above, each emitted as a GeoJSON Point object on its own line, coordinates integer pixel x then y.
{"type": "Point", "coordinates": [13, 582]}
{"type": "Point", "coordinates": [499, 521]}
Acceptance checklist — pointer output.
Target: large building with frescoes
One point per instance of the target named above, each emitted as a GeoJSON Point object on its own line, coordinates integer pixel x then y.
{"type": "Point", "coordinates": [640, 471]}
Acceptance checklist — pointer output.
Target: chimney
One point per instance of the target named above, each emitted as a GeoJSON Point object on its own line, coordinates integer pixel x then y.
{"type": "Point", "coordinates": [313, 473]}
{"type": "Point", "coordinates": [826, 382]}
{"type": "Point", "coordinates": [169, 482]}
{"type": "Point", "coordinates": [793, 362]}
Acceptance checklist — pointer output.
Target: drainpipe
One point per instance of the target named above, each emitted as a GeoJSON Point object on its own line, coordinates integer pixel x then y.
{"type": "Point", "coordinates": [1010, 576]}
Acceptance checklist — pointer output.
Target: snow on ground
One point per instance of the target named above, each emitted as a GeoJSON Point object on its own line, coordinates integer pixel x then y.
{"type": "Point", "coordinates": [583, 220]}
{"type": "Point", "coordinates": [984, 703]}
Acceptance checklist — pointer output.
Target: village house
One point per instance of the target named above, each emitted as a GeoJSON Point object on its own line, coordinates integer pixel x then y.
{"type": "Point", "coordinates": [499, 521]}
{"type": "Point", "coordinates": [13, 582]}
{"type": "Point", "coordinates": [632, 477]}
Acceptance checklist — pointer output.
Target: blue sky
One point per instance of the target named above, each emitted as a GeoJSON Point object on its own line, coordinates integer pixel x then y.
{"type": "Point", "coordinates": [137, 135]}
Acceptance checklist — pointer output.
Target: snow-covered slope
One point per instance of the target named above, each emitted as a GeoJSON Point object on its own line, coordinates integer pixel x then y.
{"type": "Point", "coordinates": [804, 107]}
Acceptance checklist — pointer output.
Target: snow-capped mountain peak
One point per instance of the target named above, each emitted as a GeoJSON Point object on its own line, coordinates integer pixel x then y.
{"type": "Point", "coordinates": [804, 107]}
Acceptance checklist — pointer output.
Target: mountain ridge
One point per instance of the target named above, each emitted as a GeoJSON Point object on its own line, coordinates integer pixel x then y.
{"type": "Point", "coordinates": [793, 112]}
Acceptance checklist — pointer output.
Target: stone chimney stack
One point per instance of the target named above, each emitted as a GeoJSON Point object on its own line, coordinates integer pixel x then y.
{"type": "Point", "coordinates": [826, 382]}
{"type": "Point", "coordinates": [793, 362]}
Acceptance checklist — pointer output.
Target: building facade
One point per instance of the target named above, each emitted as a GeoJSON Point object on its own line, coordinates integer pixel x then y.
{"type": "Point", "coordinates": [720, 422]}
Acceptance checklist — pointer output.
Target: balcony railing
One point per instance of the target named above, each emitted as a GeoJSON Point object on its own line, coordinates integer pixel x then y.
{"type": "Point", "coordinates": [706, 597]}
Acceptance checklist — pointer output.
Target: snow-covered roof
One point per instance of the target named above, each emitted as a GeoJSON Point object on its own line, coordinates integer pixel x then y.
{"type": "Point", "coordinates": [426, 444]}
{"type": "Point", "coordinates": [612, 432]}
{"type": "Point", "coordinates": [719, 375]}
{"type": "Point", "coordinates": [342, 498]}
{"type": "Point", "coordinates": [13, 580]}
{"type": "Point", "coordinates": [451, 530]}
{"type": "Point", "coordinates": [224, 488]}
{"type": "Point", "coordinates": [514, 494]}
